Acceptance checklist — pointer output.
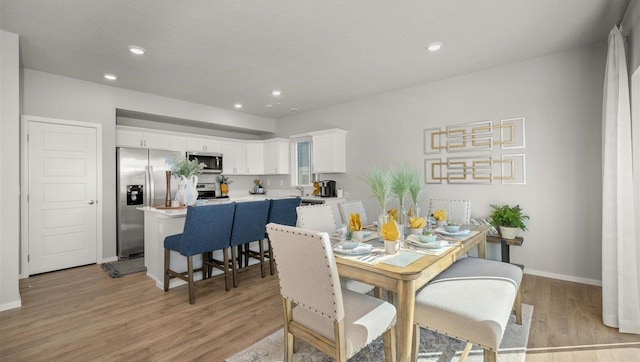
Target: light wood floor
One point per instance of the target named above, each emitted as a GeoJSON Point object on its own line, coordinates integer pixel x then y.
{"type": "Point", "coordinates": [82, 314]}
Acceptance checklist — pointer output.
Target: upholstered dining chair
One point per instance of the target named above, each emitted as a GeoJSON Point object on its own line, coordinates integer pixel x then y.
{"type": "Point", "coordinates": [471, 301]}
{"type": "Point", "coordinates": [283, 212]}
{"type": "Point", "coordinates": [206, 229]}
{"type": "Point", "coordinates": [248, 226]}
{"type": "Point", "coordinates": [334, 320]}
{"type": "Point", "coordinates": [317, 217]}
{"type": "Point", "coordinates": [457, 210]}
{"type": "Point", "coordinates": [321, 218]}
{"type": "Point", "coordinates": [352, 207]}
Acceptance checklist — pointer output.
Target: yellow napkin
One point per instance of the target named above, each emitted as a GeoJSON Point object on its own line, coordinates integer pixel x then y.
{"type": "Point", "coordinates": [354, 223]}
{"type": "Point", "coordinates": [390, 231]}
{"type": "Point", "coordinates": [393, 214]}
{"type": "Point", "coordinates": [417, 222]}
{"type": "Point", "coordinates": [440, 215]}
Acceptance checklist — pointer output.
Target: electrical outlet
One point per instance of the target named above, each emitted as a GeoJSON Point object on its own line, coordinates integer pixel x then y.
{"type": "Point", "coordinates": [281, 183]}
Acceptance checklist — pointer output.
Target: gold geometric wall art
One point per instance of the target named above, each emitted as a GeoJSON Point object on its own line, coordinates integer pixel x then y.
{"type": "Point", "coordinates": [512, 133]}
{"type": "Point", "coordinates": [513, 170]}
{"type": "Point", "coordinates": [476, 136]}
{"type": "Point", "coordinates": [483, 169]}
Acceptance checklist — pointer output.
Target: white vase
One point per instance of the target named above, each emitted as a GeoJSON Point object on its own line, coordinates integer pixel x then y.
{"type": "Point", "coordinates": [182, 182]}
{"type": "Point", "coordinates": [190, 191]}
{"type": "Point", "coordinates": [508, 232]}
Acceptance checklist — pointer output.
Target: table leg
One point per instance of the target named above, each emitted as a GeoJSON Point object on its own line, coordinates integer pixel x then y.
{"type": "Point", "coordinates": [404, 325]}
{"type": "Point", "coordinates": [482, 248]}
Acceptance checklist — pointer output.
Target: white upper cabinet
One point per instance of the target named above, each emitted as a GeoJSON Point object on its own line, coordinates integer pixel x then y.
{"type": "Point", "coordinates": [200, 144]}
{"type": "Point", "coordinates": [234, 158]}
{"type": "Point", "coordinates": [141, 139]}
{"type": "Point", "coordinates": [276, 156]}
{"type": "Point", "coordinates": [255, 158]}
{"type": "Point", "coordinates": [329, 151]}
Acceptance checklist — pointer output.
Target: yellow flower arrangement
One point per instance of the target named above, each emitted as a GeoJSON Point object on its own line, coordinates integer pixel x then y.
{"type": "Point", "coordinates": [440, 215]}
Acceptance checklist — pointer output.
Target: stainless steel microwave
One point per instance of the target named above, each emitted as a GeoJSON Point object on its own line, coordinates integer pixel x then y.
{"type": "Point", "coordinates": [212, 161]}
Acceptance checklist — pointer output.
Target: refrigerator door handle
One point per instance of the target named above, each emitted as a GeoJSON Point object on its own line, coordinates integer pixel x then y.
{"type": "Point", "coordinates": [152, 186]}
{"type": "Point", "coordinates": [147, 186]}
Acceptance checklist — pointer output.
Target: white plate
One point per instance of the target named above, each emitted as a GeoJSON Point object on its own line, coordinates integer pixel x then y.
{"type": "Point", "coordinates": [457, 233]}
{"type": "Point", "coordinates": [358, 250]}
{"type": "Point", "coordinates": [435, 245]}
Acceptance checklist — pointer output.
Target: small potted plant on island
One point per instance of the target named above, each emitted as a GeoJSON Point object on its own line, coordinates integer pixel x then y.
{"type": "Point", "coordinates": [508, 219]}
{"type": "Point", "coordinates": [224, 182]}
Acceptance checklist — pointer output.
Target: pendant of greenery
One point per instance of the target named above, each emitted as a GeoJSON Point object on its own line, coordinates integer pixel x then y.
{"type": "Point", "coordinates": [508, 216]}
{"type": "Point", "coordinates": [380, 183]}
{"type": "Point", "coordinates": [186, 168]}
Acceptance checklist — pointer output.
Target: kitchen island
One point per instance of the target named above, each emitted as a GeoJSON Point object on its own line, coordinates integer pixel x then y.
{"type": "Point", "coordinates": [160, 223]}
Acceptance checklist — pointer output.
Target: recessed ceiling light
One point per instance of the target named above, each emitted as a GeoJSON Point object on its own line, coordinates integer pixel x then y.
{"type": "Point", "coordinates": [435, 46]}
{"type": "Point", "coordinates": [276, 92]}
{"type": "Point", "coordinates": [292, 109]}
{"type": "Point", "coordinates": [136, 50]}
{"type": "Point", "coordinates": [268, 105]}
{"type": "Point", "coordinates": [110, 76]}
{"type": "Point", "coordinates": [238, 105]}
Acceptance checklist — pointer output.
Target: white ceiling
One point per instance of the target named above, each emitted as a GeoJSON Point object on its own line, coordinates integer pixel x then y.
{"type": "Point", "coordinates": [318, 52]}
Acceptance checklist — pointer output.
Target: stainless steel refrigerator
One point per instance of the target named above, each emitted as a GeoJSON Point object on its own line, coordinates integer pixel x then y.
{"type": "Point", "coordinates": [141, 181]}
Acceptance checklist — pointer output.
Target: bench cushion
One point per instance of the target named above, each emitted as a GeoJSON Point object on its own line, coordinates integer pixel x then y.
{"type": "Point", "coordinates": [475, 267]}
{"type": "Point", "coordinates": [475, 310]}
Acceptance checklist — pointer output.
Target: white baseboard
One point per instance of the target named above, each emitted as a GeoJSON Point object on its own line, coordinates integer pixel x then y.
{"type": "Point", "coordinates": [569, 278]}
{"type": "Point", "coordinates": [11, 305]}
{"type": "Point", "coordinates": [109, 259]}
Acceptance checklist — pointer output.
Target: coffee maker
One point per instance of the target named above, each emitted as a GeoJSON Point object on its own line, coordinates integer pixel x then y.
{"type": "Point", "coordinates": [327, 188]}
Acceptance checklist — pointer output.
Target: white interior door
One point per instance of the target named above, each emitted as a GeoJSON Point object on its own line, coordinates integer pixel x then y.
{"type": "Point", "coordinates": [62, 196]}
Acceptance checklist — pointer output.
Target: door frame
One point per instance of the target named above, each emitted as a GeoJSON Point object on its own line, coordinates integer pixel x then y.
{"type": "Point", "coordinates": [24, 184]}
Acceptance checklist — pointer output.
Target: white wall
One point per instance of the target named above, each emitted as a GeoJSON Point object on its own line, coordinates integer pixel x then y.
{"type": "Point", "coordinates": [10, 166]}
{"type": "Point", "coordinates": [54, 96]}
{"type": "Point", "coordinates": [560, 95]}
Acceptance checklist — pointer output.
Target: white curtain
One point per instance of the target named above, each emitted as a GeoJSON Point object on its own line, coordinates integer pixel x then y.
{"type": "Point", "coordinates": [620, 242]}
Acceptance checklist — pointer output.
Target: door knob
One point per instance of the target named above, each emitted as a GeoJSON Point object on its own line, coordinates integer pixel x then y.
{"type": "Point", "coordinates": [91, 202]}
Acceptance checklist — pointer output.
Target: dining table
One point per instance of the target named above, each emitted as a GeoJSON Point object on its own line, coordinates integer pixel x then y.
{"type": "Point", "coordinates": [407, 271]}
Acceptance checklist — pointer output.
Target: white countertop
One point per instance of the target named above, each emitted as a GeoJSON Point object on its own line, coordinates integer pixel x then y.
{"type": "Point", "coordinates": [234, 197]}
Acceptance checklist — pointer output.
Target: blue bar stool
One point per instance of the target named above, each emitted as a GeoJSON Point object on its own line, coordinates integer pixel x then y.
{"type": "Point", "coordinates": [249, 225]}
{"type": "Point", "coordinates": [206, 229]}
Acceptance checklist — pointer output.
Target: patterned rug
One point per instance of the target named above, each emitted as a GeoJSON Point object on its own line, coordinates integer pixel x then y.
{"type": "Point", "coordinates": [123, 267]}
{"type": "Point", "coordinates": [433, 347]}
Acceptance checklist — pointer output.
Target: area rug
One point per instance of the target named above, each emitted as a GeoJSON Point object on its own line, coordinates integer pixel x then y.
{"type": "Point", "coordinates": [433, 347]}
{"type": "Point", "coordinates": [123, 267]}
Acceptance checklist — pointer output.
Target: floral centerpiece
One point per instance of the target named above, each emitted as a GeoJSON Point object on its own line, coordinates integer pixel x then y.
{"type": "Point", "coordinates": [224, 182]}
{"type": "Point", "coordinates": [186, 171]}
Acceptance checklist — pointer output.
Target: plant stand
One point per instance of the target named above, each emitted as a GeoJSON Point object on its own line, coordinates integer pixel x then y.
{"type": "Point", "coordinates": [504, 247]}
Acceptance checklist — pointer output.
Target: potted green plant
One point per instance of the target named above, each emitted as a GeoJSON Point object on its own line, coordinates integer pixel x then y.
{"type": "Point", "coordinates": [380, 183]}
{"type": "Point", "coordinates": [509, 219]}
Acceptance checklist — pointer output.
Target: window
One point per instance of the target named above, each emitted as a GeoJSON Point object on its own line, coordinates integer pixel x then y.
{"type": "Point", "coordinates": [302, 165]}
